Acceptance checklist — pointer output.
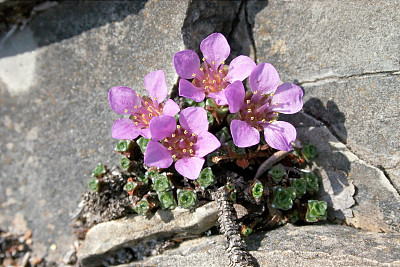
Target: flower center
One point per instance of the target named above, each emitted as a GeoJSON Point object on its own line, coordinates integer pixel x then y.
{"type": "Point", "coordinates": [148, 110]}
{"type": "Point", "coordinates": [258, 110]}
{"type": "Point", "coordinates": [181, 143]}
{"type": "Point", "coordinates": [211, 77]}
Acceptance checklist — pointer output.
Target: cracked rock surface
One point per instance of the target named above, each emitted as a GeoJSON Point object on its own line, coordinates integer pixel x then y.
{"type": "Point", "coordinates": [55, 74]}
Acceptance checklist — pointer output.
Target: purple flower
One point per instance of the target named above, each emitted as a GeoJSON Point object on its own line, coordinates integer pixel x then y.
{"type": "Point", "coordinates": [124, 100]}
{"type": "Point", "coordinates": [212, 76]}
{"type": "Point", "coordinates": [186, 143]}
{"type": "Point", "coordinates": [258, 109]}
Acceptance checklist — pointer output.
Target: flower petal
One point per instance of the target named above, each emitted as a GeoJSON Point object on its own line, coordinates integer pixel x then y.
{"type": "Point", "coordinates": [240, 68]}
{"type": "Point", "coordinates": [170, 108]}
{"type": "Point", "coordinates": [194, 119]}
{"type": "Point", "coordinates": [189, 167]}
{"type": "Point", "coordinates": [219, 97]}
{"type": "Point", "coordinates": [289, 98]}
{"type": "Point", "coordinates": [124, 129]}
{"type": "Point", "coordinates": [280, 135]}
{"type": "Point", "coordinates": [123, 99]}
{"type": "Point", "coordinates": [157, 155]}
{"type": "Point", "coordinates": [145, 132]}
{"type": "Point", "coordinates": [206, 143]}
{"type": "Point", "coordinates": [156, 85]}
{"type": "Point", "coordinates": [215, 48]}
{"type": "Point", "coordinates": [186, 64]}
{"type": "Point", "coordinates": [243, 134]}
{"type": "Point", "coordinates": [264, 78]}
{"type": "Point", "coordinates": [235, 94]}
{"type": "Point", "coordinates": [162, 126]}
{"type": "Point", "coordinates": [188, 90]}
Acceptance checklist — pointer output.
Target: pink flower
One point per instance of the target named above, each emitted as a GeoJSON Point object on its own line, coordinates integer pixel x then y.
{"type": "Point", "coordinates": [258, 109]}
{"type": "Point", "coordinates": [212, 76]}
{"type": "Point", "coordinates": [124, 100]}
{"type": "Point", "coordinates": [186, 143]}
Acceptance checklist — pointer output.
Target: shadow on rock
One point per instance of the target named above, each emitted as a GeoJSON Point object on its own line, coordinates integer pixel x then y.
{"type": "Point", "coordinates": [71, 18]}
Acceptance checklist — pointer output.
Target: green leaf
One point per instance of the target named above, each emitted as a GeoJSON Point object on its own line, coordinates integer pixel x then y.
{"type": "Point", "coordinates": [130, 186]}
{"type": "Point", "coordinates": [283, 198]}
{"type": "Point", "coordinates": [210, 118]}
{"type": "Point", "coordinates": [161, 182]}
{"type": "Point", "coordinates": [142, 143]}
{"type": "Point", "coordinates": [189, 102]}
{"type": "Point", "coordinates": [299, 185]}
{"type": "Point", "coordinates": [206, 178]}
{"type": "Point", "coordinates": [277, 173]}
{"type": "Point", "coordinates": [312, 182]}
{"type": "Point", "coordinates": [94, 184]}
{"type": "Point", "coordinates": [125, 163]}
{"type": "Point", "coordinates": [123, 146]}
{"type": "Point", "coordinates": [237, 150]}
{"type": "Point", "coordinates": [142, 207]}
{"type": "Point", "coordinates": [143, 178]}
{"type": "Point", "coordinates": [294, 217]}
{"type": "Point", "coordinates": [257, 190]}
{"type": "Point", "coordinates": [167, 200]}
{"type": "Point", "coordinates": [316, 211]}
{"type": "Point", "coordinates": [309, 151]}
{"type": "Point", "coordinates": [246, 231]}
{"type": "Point", "coordinates": [187, 199]}
{"type": "Point", "coordinates": [224, 133]}
{"type": "Point", "coordinates": [99, 170]}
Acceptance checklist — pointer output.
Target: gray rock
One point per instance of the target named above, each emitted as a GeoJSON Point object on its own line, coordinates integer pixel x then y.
{"type": "Point", "coordinates": [55, 117]}
{"type": "Point", "coordinates": [107, 237]}
{"type": "Point", "coordinates": [345, 56]}
{"type": "Point", "coordinates": [377, 206]}
{"type": "Point", "coordinates": [314, 245]}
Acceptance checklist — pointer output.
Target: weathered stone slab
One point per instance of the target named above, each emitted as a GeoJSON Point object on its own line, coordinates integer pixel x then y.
{"type": "Point", "coordinates": [377, 206]}
{"type": "Point", "coordinates": [345, 56]}
{"type": "Point", "coordinates": [106, 237]}
{"type": "Point", "coordinates": [56, 122]}
{"type": "Point", "coordinates": [315, 245]}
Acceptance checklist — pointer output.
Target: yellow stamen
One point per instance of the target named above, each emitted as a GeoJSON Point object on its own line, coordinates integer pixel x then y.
{"type": "Point", "coordinates": [145, 102]}
{"type": "Point", "coordinates": [214, 81]}
{"type": "Point", "coordinates": [204, 81]}
{"type": "Point", "coordinates": [184, 150]}
{"type": "Point", "coordinates": [206, 87]}
{"type": "Point", "coordinates": [252, 118]}
{"type": "Point", "coordinates": [165, 140]}
{"type": "Point", "coordinates": [126, 111]}
{"type": "Point", "coordinates": [262, 94]}
{"type": "Point", "coordinates": [138, 94]}
{"type": "Point", "coordinates": [135, 117]}
{"type": "Point", "coordinates": [155, 98]}
{"type": "Point", "coordinates": [173, 135]}
{"type": "Point", "coordinates": [204, 59]}
{"type": "Point", "coordinates": [271, 94]}
{"type": "Point", "coordinates": [193, 134]}
{"type": "Point", "coordinates": [213, 62]}
{"type": "Point", "coordinates": [224, 79]}
{"type": "Point", "coordinates": [263, 120]}
{"type": "Point", "coordinates": [194, 75]}
{"type": "Point", "coordinates": [143, 115]}
{"type": "Point", "coordinates": [276, 104]}
{"type": "Point", "coordinates": [185, 132]}
{"type": "Point", "coordinates": [173, 156]}
{"type": "Point", "coordinates": [169, 148]}
{"type": "Point", "coordinates": [255, 92]}
{"type": "Point", "coordinates": [178, 126]}
{"type": "Point", "coordinates": [223, 62]}
{"type": "Point", "coordinates": [201, 69]}
{"type": "Point", "coordinates": [135, 106]}
{"type": "Point", "coordinates": [151, 115]}
{"type": "Point", "coordinates": [248, 101]}
{"type": "Point", "coordinates": [191, 144]}
{"type": "Point", "coordinates": [220, 71]}
{"type": "Point", "coordinates": [190, 151]}
{"type": "Point", "coordinates": [136, 123]}
{"type": "Point", "coordinates": [249, 110]}
{"type": "Point", "coordinates": [271, 121]}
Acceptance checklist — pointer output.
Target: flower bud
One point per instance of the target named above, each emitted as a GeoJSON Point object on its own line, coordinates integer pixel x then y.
{"type": "Point", "coordinates": [142, 143]}
{"type": "Point", "coordinates": [161, 183]}
{"type": "Point", "coordinates": [299, 185]}
{"type": "Point", "coordinates": [309, 151]}
{"type": "Point", "coordinates": [123, 146]}
{"type": "Point", "coordinates": [316, 211]}
{"type": "Point", "coordinates": [277, 173]}
{"type": "Point", "coordinates": [125, 163]}
{"type": "Point", "coordinates": [94, 184]}
{"type": "Point", "coordinates": [99, 170]}
{"type": "Point", "coordinates": [206, 178]}
{"type": "Point", "coordinates": [167, 200]}
{"type": "Point", "coordinates": [187, 198]}
{"type": "Point", "coordinates": [283, 198]}
{"type": "Point", "coordinates": [257, 190]}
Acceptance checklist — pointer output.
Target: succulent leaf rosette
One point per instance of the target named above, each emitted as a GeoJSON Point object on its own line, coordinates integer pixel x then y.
{"type": "Point", "coordinates": [124, 100]}
{"type": "Point", "coordinates": [258, 109]}
{"type": "Point", "coordinates": [316, 210]}
{"type": "Point", "coordinates": [283, 198]}
{"type": "Point", "coordinates": [186, 144]}
{"type": "Point", "coordinates": [211, 77]}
